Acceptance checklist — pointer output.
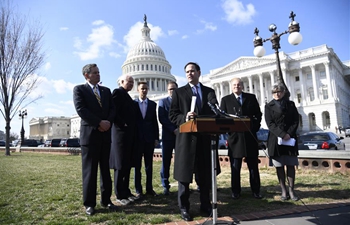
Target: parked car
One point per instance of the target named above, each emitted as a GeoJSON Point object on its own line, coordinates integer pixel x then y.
{"type": "Point", "coordinates": [55, 143]}
{"type": "Point", "coordinates": [2, 143]}
{"type": "Point", "coordinates": [347, 132]}
{"type": "Point", "coordinates": [320, 140]}
{"type": "Point", "coordinates": [73, 142]}
{"type": "Point", "coordinates": [262, 135]}
{"type": "Point", "coordinates": [223, 141]}
{"type": "Point", "coordinates": [47, 143]}
{"type": "Point", "coordinates": [29, 143]}
{"type": "Point", "coordinates": [63, 142]}
{"type": "Point", "coordinates": [15, 143]}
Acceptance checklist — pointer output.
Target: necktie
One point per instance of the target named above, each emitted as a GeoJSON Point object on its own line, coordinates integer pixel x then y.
{"type": "Point", "coordinates": [143, 108]}
{"type": "Point", "coordinates": [239, 100]}
{"type": "Point", "coordinates": [198, 98]}
{"type": "Point", "coordinates": [97, 96]}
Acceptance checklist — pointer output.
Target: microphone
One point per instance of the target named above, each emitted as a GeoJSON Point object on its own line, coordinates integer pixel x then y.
{"type": "Point", "coordinates": [214, 105]}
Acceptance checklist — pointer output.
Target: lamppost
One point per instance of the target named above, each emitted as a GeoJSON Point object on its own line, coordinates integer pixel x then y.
{"type": "Point", "coordinates": [294, 38]}
{"type": "Point", "coordinates": [22, 115]}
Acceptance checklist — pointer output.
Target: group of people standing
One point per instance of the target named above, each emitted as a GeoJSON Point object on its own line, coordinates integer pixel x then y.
{"type": "Point", "coordinates": [117, 132]}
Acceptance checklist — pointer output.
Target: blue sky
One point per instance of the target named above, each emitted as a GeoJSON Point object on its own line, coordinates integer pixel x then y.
{"type": "Point", "coordinates": [212, 33]}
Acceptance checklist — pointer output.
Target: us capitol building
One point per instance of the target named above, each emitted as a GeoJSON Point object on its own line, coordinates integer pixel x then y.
{"type": "Point", "coordinates": [318, 81]}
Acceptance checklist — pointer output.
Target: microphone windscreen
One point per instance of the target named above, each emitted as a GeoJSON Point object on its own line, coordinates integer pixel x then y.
{"type": "Point", "coordinates": [212, 98]}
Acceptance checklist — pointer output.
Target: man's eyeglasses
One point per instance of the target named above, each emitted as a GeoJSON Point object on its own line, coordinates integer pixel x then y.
{"type": "Point", "coordinates": [279, 92]}
{"type": "Point", "coordinates": [171, 89]}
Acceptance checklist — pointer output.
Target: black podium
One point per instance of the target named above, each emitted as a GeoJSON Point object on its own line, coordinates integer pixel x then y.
{"type": "Point", "coordinates": [215, 127]}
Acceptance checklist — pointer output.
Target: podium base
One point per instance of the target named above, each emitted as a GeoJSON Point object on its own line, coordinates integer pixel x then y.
{"type": "Point", "coordinates": [218, 222]}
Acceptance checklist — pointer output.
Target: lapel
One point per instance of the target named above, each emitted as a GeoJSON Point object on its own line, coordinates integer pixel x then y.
{"type": "Point", "coordinates": [188, 91]}
{"type": "Point", "coordinates": [275, 107]}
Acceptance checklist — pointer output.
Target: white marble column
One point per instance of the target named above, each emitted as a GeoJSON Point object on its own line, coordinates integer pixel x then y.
{"type": "Point", "coordinates": [272, 76]}
{"type": "Point", "coordinates": [261, 83]}
{"type": "Point", "coordinates": [250, 81]}
{"type": "Point", "coordinates": [302, 87]}
{"type": "Point", "coordinates": [255, 91]}
{"type": "Point", "coordinates": [221, 90]}
{"type": "Point", "coordinates": [314, 82]}
{"type": "Point", "coordinates": [329, 83]}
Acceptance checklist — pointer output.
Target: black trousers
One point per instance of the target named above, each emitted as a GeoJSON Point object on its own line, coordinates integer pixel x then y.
{"type": "Point", "coordinates": [254, 176]}
{"type": "Point", "coordinates": [94, 156]}
{"type": "Point", "coordinates": [121, 183]}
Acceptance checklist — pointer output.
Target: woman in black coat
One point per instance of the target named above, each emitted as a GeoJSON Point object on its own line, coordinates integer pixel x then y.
{"type": "Point", "coordinates": [282, 119]}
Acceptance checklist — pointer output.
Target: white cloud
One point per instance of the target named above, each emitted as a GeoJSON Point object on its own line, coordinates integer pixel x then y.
{"type": "Point", "coordinates": [61, 86]}
{"type": "Point", "coordinates": [64, 28]}
{"type": "Point", "coordinates": [236, 13]}
{"type": "Point", "coordinates": [207, 26]}
{"type": "Point", "coordinates": [114, 54]}
{"type": "Point", "coordinates": [98, 22]}
{"type": "Point", "coordinates": [47, 66]}
{"type": "Point", "coordinates": [184, 37]}
{"type": "Point", "coordinates": [134, 35]}
{"type": "Point", "coordinates": [172, 32]}
{"type": "Point", "coordinates": [100, 39]}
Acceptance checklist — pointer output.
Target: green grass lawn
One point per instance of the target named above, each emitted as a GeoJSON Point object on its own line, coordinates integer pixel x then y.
{"type": "Point", "coordinates": [39, 188]}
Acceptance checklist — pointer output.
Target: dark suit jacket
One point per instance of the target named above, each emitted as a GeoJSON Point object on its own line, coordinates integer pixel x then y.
{"type": "Point", "coordinates": [91, 113]}
{"type": "Point", "coordinates": [148, 129]}
{"type": "Point", "coordinates": [280, 122]}
{"type": "Point", "coordinates": [187, 143]}
{"type": "Point", "coordinates": [163, 115]}
{"type": "Point", "coordinates": [243, 144]}
{"type": "Point", "coordinates": [123, 137]}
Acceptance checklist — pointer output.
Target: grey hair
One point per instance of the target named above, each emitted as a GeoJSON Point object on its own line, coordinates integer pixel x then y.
{"type": "Point", "coordinates": [87, 68]}
{"type": "Point", "coordinates": [278, 87]}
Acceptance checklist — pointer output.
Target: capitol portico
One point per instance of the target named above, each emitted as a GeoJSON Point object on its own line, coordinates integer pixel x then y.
{"type": "Point", "coordinates": [316, 78]}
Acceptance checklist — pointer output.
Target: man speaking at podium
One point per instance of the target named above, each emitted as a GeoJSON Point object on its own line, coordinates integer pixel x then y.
{"type": "Point", "coordinates": [192, 150]}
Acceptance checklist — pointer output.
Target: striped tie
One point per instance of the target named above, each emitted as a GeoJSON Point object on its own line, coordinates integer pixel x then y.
{"type": "Point", "coordinates": [97, 96]}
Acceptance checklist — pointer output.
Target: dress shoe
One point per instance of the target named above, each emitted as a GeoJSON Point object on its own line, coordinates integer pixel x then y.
{"type": "Point", "coordinates": [138, 196]}
{"type": "Point", "coordinates": [207, 211]}
{"type": "Point", "coordinates": [123, 201]}
{"type": "Point", "coordinates": [90, 211]}
{"type": "Point", "coordinates": [152, 193]}
{"type": "Point", "coordinates": [110, 206]}
{"type": "Point", "coordinates": [284, 198]}
{"type": "Point", "coordinates": [257, 195]}
{"type": "Point", "coordinates": [132, 198]}
{"type": "Point", "coordinates": [295, 198]}
{"type": "Point", "coordinates": [186, 215]}
{"type": "Point", "coordinates": [235, 196]}
{"type": "Point", "coordinates": [166, 191]}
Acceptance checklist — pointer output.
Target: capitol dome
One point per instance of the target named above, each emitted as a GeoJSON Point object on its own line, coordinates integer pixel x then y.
{"type": "Point", "coordinates": [146, 61]}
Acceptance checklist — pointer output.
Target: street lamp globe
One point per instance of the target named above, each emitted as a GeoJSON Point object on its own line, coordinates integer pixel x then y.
{"type": "Point", "coordinates": [259, 51]}
{"type": "Point", "coordinates": [295, 38]}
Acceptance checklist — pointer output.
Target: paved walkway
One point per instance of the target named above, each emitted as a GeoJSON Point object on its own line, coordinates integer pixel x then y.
{"type": "Point", "coordinates": [322, 214]}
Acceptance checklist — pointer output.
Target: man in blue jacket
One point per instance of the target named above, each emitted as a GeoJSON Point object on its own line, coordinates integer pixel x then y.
{"type": "Point", "coordinates": [168, 136]}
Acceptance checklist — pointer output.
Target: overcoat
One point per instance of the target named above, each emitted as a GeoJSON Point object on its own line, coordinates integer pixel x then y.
{"type": "Point", "coordinates": [243, 144]}
{"type": "Point", "coordinates": [187, 143]}
{"type": "Point", "coordinates": [124, 130]}
{"type": "Point", "coordinates": [280, 121]}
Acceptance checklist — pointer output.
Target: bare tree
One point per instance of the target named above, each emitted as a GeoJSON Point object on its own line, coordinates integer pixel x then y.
{"type": "Point", "coordinates": [20, 57]}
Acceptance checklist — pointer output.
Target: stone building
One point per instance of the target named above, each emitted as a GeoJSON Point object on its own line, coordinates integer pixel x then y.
{"type": "Point", "coordinates": [45, 128]}
{"type": "Point", "coordinates": [318, 81]}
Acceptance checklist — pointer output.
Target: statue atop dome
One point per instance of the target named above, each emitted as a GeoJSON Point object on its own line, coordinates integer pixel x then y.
{"type": "Point", "coordinates": [145, 19]}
